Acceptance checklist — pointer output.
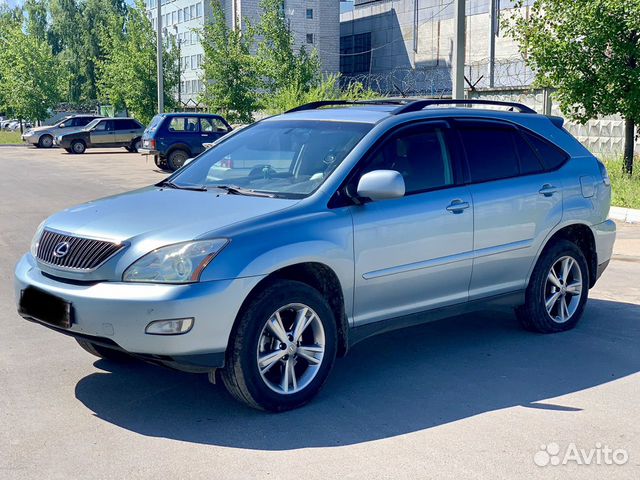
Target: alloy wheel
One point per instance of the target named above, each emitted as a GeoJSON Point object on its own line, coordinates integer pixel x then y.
{"type": "Point", "coordinates": [290, 348]}
{"type": "Point", "coordinates": [563, 289]}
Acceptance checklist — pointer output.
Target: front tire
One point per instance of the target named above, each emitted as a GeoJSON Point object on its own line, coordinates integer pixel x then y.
{"type": "Point", "coordinates": [45, 141]}
{"type": "Point", "coordinates": [103, 352]}
{"type": "Point", "coordinates": [78, 147]}
{"type": "Point", "coordinates": [558, 290]}
{"type": "Point", "coordinates": [282, 349]}
{"type": "Point", "coordinates": [136, 145]}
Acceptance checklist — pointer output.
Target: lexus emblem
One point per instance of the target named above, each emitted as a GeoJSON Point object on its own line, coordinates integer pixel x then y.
{"type": "Point", "coordinates": [61, 249]}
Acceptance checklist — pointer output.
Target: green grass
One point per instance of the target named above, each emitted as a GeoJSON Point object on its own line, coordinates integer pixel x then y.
{"type": "Point", "coordinates": [626, 189]}
{"type": "Point", "coordinates": [8, 138]}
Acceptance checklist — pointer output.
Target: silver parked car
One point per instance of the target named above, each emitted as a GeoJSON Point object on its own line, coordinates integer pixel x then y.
{"type": "Point", "coordinates": [351, 221]}
{"type": "Point", "coordinates": [42, 137]}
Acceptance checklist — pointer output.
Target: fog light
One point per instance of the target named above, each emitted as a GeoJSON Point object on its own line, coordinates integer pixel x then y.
{"type": "Point", "coordinates": [176, 326]}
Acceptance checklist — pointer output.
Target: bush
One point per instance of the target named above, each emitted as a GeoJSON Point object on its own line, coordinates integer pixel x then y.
{"type": "Point", "coordinates": [329, 89]}
{"type": "Point", "coordinates": [626, 189]}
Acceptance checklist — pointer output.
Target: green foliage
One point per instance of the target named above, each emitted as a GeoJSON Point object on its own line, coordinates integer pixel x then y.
{"type": "Point", "coordinates": [626, 188]}
{"type": "Point", "coordinates": [329, 89]}
{"type": "Point", "coordinates": [28, 73]}
{"type": "Point", "coordinates": [589, 50]}
{"type": "Point", "coordinates": [279, 66]}
{"type": "Point", "coordinates": [127, 74]}
{"type": "Point", "coordinates": [10, 138]}
{"type": "Point", "coordinates": [229, 69]}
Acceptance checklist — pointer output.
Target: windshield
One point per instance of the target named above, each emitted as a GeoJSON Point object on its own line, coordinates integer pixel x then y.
{"type": "Point", "coordinates": [286, 158]}
{"type": "Point", "coordinates": [91, 124]}
{"type": "Point", "coordinates": [62, 121]}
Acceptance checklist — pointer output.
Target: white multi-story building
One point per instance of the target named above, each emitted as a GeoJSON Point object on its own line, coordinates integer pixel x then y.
{"type": "Point", "coordinates": [314, 23]}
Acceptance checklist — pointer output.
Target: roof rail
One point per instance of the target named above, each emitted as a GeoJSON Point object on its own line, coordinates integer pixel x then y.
{"type": "Point", "coordinates": [329, 103]}
{"type": "Point", "coordinates": [420, 104]}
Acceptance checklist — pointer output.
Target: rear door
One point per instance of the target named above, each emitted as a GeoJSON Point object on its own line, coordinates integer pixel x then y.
{"type": "Point", "coordinates": [413, 253]}
{"type": "Point", "coordinates": [125, 130]}
{"type": "Point", "coordinates": [103, 133]}
{"type": "Point", "coordinates": [516, 204]}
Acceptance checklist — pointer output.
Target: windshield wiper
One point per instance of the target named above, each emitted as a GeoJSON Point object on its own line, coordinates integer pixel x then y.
{"type": "Point", "coordinates": [235, 190]}
{"type": "Point", "coordinates": [170, 184]}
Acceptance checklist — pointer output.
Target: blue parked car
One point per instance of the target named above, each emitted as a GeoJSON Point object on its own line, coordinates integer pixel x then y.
{"type": "Point", "coordinates": [173, 138]}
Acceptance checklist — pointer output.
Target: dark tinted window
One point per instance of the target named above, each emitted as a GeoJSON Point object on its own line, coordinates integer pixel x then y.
{"type": "Point", "coordinates": [551, 156]}
{"type": "Point", "coordinates": [126, 124]}
{"type": "Point", "coordinates": [81, 121]}
{"type": "Point", "coordinates": [183, 124]}
{"type": "Point", "coordinates": [490, 152]}
{"type": "Point", "coordinates": [420, 154]}
{"type": "Point", "coordinates": [529, 161]}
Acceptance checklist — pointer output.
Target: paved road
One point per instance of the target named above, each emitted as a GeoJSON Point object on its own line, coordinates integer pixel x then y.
{"type": "Point", "coordinates": [474, 397]}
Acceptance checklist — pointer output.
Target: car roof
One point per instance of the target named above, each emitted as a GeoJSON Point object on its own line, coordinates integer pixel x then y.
{"type": "Point", "coordinates": [190, 114]}
{"type": "Point", "coordinates": [376, 113]}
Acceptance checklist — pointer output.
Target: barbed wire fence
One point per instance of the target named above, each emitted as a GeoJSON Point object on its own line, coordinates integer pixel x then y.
{"type": "Point", "coordinates": [435, 81]}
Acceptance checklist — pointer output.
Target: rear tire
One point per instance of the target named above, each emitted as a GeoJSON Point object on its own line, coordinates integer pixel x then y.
{"type": "Point", "coordinates": [45, 141]}
{"type": "Point", "coordinates": [271, 364]}
{"type": "Point", "coordinates": [103, 352]}
{"type": "Point", "coordinates": [136, 145]}
{"type": "Point", "coordinates": [557, 291]}
{"type": "Point", "coordinates": [177, 158]}
{"type": "Point", "coordinates": [78, 147]}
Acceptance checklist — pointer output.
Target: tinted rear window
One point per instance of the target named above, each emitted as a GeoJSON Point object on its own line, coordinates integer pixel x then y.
{"type": "Point", "coordinates": [529, 160]}
{"type": "Point", "coordinates": [490, 152]}
{"type": "Point", "coordinates": [551, 156]}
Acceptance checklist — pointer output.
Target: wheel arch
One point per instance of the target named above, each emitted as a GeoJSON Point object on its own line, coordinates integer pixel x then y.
{"type": "Point", "coordinates": [178, 146]}
{"type": "Point", "coordinates": [582, 235]}
{"type": "Point", "coordinates": [318, 276]}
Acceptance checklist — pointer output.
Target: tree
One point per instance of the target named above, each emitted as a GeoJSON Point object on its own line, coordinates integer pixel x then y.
{"type": "Point", "coordinates": [127, 74]}
{"type": "Point", "coordinates": [229, 70]}
{"type": "Point", "coordinates": [589, 50]}
{"type": "Point", "coordinates": [28, 72]}
{"type": "Point", "coordinates": [278, 64]}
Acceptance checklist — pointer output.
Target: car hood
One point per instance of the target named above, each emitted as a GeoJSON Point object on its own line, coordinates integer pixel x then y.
{"type": "Point", "coordinates": [161, 216]}
{"type": "Point", "coordinates": [44, 128]}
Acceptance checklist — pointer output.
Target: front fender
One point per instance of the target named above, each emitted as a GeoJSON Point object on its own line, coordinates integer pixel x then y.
{"type": "Point", "coordinates": [324, 237]}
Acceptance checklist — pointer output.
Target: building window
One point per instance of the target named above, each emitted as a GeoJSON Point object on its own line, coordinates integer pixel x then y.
{"type": "Point", "coordinates": [174, 18]}
{"type": "Point", "coordinates": [194, 86]}
{"type": "Point", "coordinates": [309, 37]}
{"type": "Point", "coordinates": [200, 60]}
{"type": "Point", "coordinates": [355, 53]}
{"type": "Point", "coordinates": [193, 11]}
{"type": "Point", "coordinates": [198, 9]}
{"type": "Point", "coordinates": [186, 14]}
{"type": "Point", "coordinates": [180, 16]}
{"type": "Point", "coordinates": [193, 62]}
{"type": "Point", "coordinates": [194, 38]}
{"type": "Point", "coordinates": [310, 13]}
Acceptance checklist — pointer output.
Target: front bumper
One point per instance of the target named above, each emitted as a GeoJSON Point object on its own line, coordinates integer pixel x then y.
{"type": "Point", "coordinates": [116, 313]}
{"type": "Point", "coordinates": [30, 139]}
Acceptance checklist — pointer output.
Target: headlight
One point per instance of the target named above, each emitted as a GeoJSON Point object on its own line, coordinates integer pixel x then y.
{"type": "Point", "coordinates": [178, 263]}
{"type": "Point", "coordinates": [35, 241]}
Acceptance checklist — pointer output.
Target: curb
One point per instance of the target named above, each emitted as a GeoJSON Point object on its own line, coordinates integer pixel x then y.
{"type": "Point", "coordinates": [12, 145]}
{"type": "Point", "coordinates": [626, 215]}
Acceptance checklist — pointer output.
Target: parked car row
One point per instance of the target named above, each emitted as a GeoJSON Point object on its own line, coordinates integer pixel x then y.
{"type": "Point", "coordinates": [172, 138]}
{"type": "Point", "coordinates": [12, 125]}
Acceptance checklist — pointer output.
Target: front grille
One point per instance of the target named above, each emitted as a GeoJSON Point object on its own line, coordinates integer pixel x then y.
{"type": "Point", "coordinates": [81, 253]}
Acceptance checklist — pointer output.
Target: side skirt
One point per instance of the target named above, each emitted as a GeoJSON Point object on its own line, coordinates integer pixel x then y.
{"type": "Point", "coordinates": [506, 300]}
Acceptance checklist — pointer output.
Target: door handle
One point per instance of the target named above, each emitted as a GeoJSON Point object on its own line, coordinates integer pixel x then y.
{"type": "Point", "coordinates": [547, 190]}
{"type": "Point", "coordinates": [457, 206]}
{"type": "Point", "coordinates": [204, 134]}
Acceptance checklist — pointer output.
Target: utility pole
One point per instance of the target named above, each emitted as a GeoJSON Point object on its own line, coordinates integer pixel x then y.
{"type": "Point", "coordinates": [179, 43]}
{"type": "Point", "coordinates": [457, 73]}
{"type": "Point", "coordinates": [495, 9]}
{"type": "Point", "coordinates": [160, 76]}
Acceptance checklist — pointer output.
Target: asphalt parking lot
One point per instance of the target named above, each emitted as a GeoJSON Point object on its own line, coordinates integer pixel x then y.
{"type": "Point", "coordinates": [472, 397]}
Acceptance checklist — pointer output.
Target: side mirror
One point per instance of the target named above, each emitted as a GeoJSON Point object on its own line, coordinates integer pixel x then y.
{"type": "Point", "coordinates": [63, 125]}
{"type": "Point", "coordinates": [381, 185]}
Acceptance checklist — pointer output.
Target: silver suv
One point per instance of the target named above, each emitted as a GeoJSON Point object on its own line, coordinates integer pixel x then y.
{"type": "Point", "coordinates": [292, 239]}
